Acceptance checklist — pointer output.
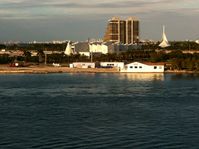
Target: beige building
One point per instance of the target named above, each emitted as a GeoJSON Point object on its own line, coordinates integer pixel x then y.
{"type": "Point", "coordinates": [122, 31]}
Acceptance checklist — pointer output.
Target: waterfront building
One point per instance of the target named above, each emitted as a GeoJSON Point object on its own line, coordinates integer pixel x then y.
{"type": "Point", "coordinates": [118, 65]}
{"type": "Point", "coordinates": [122, 31]}
{"type": "Point", "coordinates": [143, 67]}
{"type": "Point", "coordinates": [82, 65]}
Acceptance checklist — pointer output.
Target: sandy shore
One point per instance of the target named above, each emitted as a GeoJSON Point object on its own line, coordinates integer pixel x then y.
{"type": "Point", "coordinates": [51, 69]}
{"type": "Point", "coordinates": [180, 71]}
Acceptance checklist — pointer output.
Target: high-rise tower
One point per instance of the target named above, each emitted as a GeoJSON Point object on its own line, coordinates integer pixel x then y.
{"type": "Point", "coordinates": [122, 31]}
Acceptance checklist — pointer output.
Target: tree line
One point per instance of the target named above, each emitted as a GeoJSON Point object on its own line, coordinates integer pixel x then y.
{"type": "Point", "coordinates": [175, 59]}
{"type": "Point", "coordinates": [174, 45]}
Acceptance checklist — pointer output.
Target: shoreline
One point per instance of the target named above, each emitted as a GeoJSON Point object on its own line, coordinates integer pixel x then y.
{"type": "Point", "coordinates": [182, 72]}
{"type": "Point", "coordinates": [51, 69]}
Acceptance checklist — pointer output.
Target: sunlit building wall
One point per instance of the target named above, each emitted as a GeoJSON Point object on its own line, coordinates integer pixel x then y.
{"type": "Point", "coordinates": [122, 31]}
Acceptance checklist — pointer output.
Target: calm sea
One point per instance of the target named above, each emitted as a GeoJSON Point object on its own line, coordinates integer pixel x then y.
{"type": "Point", "coordinates": [97, 111]}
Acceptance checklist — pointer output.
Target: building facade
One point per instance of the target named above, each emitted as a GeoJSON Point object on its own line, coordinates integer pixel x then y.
{"type": "Point", "coordinates": [86, 48]}
{"type": "Point", "coordinates": [103, 48]}
{"type": "Point", "coordinates": [143, 67]}
{"type": "Point", "coordinates": [82, 48]}
{"type": "Point", "coordinates": [122, 31]}
{"type": "Point", "coordinates": [118, 65]}
{"type": "Point", "coordinates": [82, 65]}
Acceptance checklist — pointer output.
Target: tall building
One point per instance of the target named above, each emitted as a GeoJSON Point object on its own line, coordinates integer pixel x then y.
{"type": "Point", "coordinates": [122, 31]}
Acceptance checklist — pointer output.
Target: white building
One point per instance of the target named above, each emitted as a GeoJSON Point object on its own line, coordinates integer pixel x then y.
{"type": "Point", "coordinates": [119, 65]}
{"type": "Point", "coordinates": [82, 65]}
{"type": "Point", "coordinates": [86, 48]}
{"type": "Point", "coordinates": [98, 48]}
{"type": "Point", "coordinates": [143, 67]}
{"type": "Point", "coordinates": [82, 48]}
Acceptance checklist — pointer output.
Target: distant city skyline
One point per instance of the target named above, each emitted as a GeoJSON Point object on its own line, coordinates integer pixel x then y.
{"type": "Point", "coordinates": [45, 20]}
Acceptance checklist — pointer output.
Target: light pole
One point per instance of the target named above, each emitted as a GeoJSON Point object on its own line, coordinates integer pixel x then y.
{"type": "Point", "coordinates": [188, 45]}
{"type": "Point", "coordinates": [45, 58]}
{"type": "Point", "coordinates": [91, 56]}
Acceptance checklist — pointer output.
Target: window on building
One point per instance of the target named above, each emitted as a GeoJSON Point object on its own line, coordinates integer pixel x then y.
{"type": "Point", "coordinates": [160, 67]}
{"type": "Point", "coordinates": [155, 67]}
{"type": "Point", "coordinates": [136, 67]}
{"type": "Point", "coordinates": [131, 67]}
{"type": "Point", "coordinates": [140, 67]}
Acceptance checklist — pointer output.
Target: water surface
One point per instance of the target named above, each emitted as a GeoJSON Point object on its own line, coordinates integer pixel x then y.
{"type": "Point", "coordinates": [99, 111]}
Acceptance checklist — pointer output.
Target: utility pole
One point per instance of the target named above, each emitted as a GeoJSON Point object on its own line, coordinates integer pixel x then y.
{"type": "Point", "coordinates": [91, 53]}
{"type": "Point", "coordinates": [91, 56]}
{"type": "Point", "coordinates": [45, 58]}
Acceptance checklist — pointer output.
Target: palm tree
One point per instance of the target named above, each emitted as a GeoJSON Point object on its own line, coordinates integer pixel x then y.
{"type": "Point", "coordinates": [40, 54]}
{"type": "Point", "coordinates": [27, 55]}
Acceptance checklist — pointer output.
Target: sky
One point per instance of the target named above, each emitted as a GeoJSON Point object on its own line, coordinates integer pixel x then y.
{"type": "Point", "coordinates": [78, 20]}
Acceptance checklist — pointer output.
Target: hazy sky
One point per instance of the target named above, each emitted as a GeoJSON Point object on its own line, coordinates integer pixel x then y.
{"type": "Point", "coordinates": [41, 20]}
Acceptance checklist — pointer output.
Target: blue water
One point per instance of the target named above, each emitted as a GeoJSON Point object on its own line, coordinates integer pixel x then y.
{"type": "Point", "coordinates": [136, 111]}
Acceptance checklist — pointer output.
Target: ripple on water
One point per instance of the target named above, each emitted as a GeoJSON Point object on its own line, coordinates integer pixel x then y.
{"type": "Point", "coordinates": [99, 111]}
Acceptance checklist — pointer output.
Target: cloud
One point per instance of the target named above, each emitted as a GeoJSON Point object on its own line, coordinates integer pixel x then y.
{"type": "Point", "coordinates": [49, 19]}
{"type": "Point", "coordinates": [49, 8]}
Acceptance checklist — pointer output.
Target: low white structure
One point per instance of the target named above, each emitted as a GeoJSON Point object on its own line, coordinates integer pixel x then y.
{"type": "Point", "coordinates": [82, 65]}
{"type": "Point", "coordinates": [119, 65]}
{"type": "Point", "coordinates": [143, 67]}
